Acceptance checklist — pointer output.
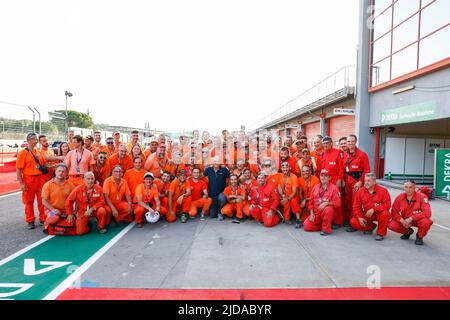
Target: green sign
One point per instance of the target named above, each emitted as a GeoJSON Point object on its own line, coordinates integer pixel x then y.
{"type": "Point", "coordinates": [413, 113]}
{"type": "Point", "coordinates": [442, 172]}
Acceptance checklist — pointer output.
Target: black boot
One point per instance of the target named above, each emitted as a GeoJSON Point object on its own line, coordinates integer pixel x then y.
{"type": "Point", "coordinates": [407, 235]}
{"type": "Point", "coordinates": [419, 241]}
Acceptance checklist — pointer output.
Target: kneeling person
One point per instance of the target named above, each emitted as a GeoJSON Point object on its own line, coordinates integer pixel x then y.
{"type": "Point", "coordinates": [264, 202]}
{"type": "Point", "coordinates": [411, 209]}
{"type": "Point", "coordinates": [371, 203]}
{"type": "Point", "coordinates": [179, 198]}
{"type": "Point", "coordinates": [323, 203]}
{"type": "Point", "coordinates": [118, 196]}
{"type": "Point", "coordinates": [54, 195]}
{"type": "Point", "coordinates": [90, 202]}
{"type": "Point", "coordinates": [235, 196]}
{"type": "Point", "coordinates": [146, 199]}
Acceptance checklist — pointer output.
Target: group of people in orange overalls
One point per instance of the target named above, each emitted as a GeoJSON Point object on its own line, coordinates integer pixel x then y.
{"type": "Point", "coordinates": [268, 179]}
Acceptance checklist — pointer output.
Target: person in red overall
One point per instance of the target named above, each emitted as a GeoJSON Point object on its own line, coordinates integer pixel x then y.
{"type": "Point", "coordinates": [323, 203]}
{"type": "Point", "coordinates": [264, 203]}
{"type": "Point", "coordinates": [356, 165]}
{"type": "Point", "coordinates": [90, 202]}
{"type": "Point", "coordinates": [331, 160]}
{"type": "Point", "coordinates": [411, 209]}
{"type": "Point", "coordinates": [371, 203]}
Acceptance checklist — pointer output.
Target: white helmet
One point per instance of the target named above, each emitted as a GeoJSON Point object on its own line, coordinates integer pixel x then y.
{"type": "Point", "coordinates": [152, 217]}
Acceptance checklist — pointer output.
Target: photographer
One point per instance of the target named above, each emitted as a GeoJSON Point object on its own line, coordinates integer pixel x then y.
{"type": "Point", "coordinates": [30, 170]}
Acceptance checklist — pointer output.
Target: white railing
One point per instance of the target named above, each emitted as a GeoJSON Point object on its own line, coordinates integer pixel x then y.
{"type": "Point", "coordinates": [343, 78]}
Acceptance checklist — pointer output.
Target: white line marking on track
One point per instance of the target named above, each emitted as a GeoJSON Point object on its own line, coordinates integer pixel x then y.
{"type": "Point", "coordinates": [438, 225]}
{"type": "Point", "coordinates": [10, 194]}
{"type": "Point", "coordinates": [18, 253]}
{"type": "Point", "coordinates": [85, 266]}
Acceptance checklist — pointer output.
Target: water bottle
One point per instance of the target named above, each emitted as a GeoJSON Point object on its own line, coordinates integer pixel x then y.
{"type": "Point", "coordinates": [389, 176]}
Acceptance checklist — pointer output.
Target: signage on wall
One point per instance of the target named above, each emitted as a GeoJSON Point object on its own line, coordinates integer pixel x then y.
{"type": "Point", "coordinates": [413, 113]}
{"type": "Point", "coordinates": [442, 173]}
{"type": "Point", "coordinates": [340, 111]}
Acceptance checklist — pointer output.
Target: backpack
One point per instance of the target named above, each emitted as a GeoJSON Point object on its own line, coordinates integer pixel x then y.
{"type": "Point", "coordinates": [426, 191]}
{"type": "Point", "coordinates": [62, 228]}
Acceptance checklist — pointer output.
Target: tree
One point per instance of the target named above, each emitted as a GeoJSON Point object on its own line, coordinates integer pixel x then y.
{"type": "Point", "coordinates": [78, 119]}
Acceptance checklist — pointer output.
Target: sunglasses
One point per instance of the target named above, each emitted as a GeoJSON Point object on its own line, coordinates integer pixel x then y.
{"type": "Point", "coordinates": [110, 142]}
{"type": "Point", "coordinates": [102, 158]}
{"type": "Point", "coordinates": [266, 165]}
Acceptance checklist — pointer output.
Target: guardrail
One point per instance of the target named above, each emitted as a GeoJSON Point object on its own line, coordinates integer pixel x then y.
{"type": "Point", "coordinates": [341, 79]}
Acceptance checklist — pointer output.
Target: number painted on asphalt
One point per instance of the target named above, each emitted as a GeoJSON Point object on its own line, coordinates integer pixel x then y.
{"type": "Point", "coordinates": [29, 266]}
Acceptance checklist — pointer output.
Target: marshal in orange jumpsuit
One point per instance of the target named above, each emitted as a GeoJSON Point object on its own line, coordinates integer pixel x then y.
{"type": "Point", "coordinates": [323, 214]}
{"type": "Point", "coordinates": [418, 210]}
{"type": "Point", "coordinates": [33, 182]}
{"type": "Point", "coordinates": [236, 203]}
{"type": "Point", "coordinates": [379, 201]}
{"type": "Point", "coordinates": [149, 196]}
{"type": "Point", "coordinates": [119, 195]}
{"type": "Point", "coordinates": [199, 198]}
{"type": "Point", "coordinates": [179, 187]}
{"type": "Point", "coordinates": [88, 203]}
{"type": "Point", "coordinates": [264, 203]}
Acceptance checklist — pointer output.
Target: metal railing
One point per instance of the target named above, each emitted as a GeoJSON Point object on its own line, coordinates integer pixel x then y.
{"type": "Point", "coordinates": [341, 79]}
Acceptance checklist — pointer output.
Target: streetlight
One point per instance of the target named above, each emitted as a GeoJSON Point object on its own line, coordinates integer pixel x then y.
{"type": "Point", "coordinates": [68, 94]}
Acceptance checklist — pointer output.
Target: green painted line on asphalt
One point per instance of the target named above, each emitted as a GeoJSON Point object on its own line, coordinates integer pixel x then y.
{"type": "Point", "coordinates": [74, 249]}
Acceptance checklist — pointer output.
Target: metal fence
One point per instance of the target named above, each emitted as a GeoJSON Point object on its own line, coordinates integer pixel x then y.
{"type": "Point", "coordinates": [17, 120]}
{"type": "Point", "coordinates": [343, 78]}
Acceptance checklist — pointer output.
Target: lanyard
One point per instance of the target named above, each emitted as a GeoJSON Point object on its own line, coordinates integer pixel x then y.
{"type": "Point", "coordinates": [147, 193]}
{"type": "Point", "coordinates": [258, 197]}
{"type": "Point", "coordinates": [118, 189]}
{"type": "Point", "coordinates": [321, 194]}
{"type": "Point", "coordinates": [285, 182]}
{"type": "Point", "coordinates": [81, 158]}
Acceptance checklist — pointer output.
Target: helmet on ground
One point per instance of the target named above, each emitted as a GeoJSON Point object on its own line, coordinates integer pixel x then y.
{"type": "Point", "coordinates": [152, 217]}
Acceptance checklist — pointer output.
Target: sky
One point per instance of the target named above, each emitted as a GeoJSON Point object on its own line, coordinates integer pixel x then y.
{"type": "Point", "coordinates": [176, 64]}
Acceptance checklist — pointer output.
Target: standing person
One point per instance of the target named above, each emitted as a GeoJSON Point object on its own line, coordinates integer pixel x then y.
{"type": "Point", "coordinates": [306, 183]}
{"type": "Point", "coordinates": [238, 170]}
{"type": "Point", "coordinates": [411, 209]}
{"type": "Point", "coordinates": [121, 158]}
{"type": "Point", "coordinates": [307, 160]}
{"type": "Point", "coordinates": [199, 195]}
{"type": "Point", "coordinates": [70, 135]}
{"type": "Point", "coordinates": [134, 141]}
{"type": "Point", "coordinates": [110, 149]}
{"type": "Point", "coordinates": [29, 174]}
{"type": "Point", "coordinates": [285, 157]}
{"type": "Point", "coordinates": [235, 196]}
{"type": "Point", "coordinates": [318, 149]}
{"type": "Point", "coordinates": [264, 203]}
{"type": "Point", "coordinates": [289, 142]}
{"type": "Point", "coordinates": [118, 196]}
{"type": "Point", "coordinates": [343, 144]}
{"type": "Point", "coordinates": [54, 195]}
{"type": "Point", "coordinates": [117, 142]}
{"type": "Point", "coordinates": [158, 162]}
{"type": "Point", "coordinates": [371, 203]}
{"type": "Point", "coordinates": [89, 200]}
{"type": "Point", "coordinates": [89, 145]}
{"type": "Point", "coordinates": [217, 181]}
{"type": "Point", "coordinates": [356, 164]}
{"type": "Point", "coordinates": [179, 198]}
{"type": "Point", "coordinates": [287, 187]}
{"type": "Point", "coordinates": [51, 160]}
{"type": "Point", "coordinates": [145, 199]}
{"type": "Point", "coordinates": [152, 148]}
{"type": "Point", "coordinates": [323, 203]}
{"type": "Point", "coordinates": [135, 176]}
{"type": "Point", "coordinates": [64, 149]}
{"type": "Point", "coordinates": [331, 160]}
{"type": "Point", "coordinates": [98, 141]}
{"type": "Point", "coordinates": [136, 151]}
{"type": "Point", "coordinates": [101, 169]}
{"type": "Point", "coordinates": [79, 161]}
{"type": "Point", "coordinates": [299, 146]}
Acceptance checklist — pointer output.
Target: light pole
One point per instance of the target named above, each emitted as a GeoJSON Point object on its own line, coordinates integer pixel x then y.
{"type": "Point", "coordinates": [68, 94]}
